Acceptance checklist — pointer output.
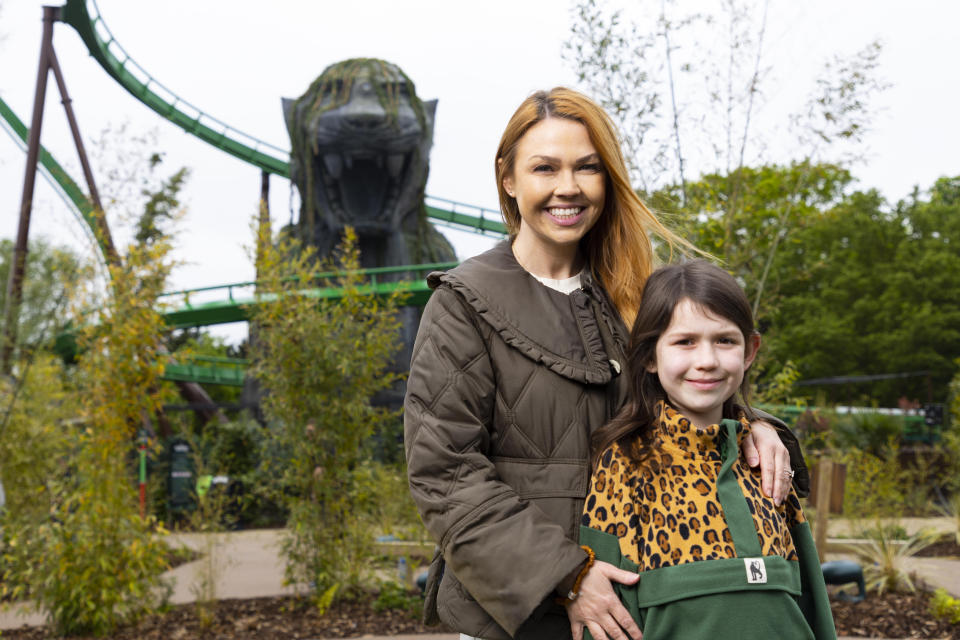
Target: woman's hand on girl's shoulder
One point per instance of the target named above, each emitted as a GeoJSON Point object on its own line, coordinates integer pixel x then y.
{"type": "Point", "coordinates": [598, 608]}
{"type": "Point", "coordinates": [764, 448]}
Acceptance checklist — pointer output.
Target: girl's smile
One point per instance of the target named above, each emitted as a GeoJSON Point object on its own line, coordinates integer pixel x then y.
{"type": "Point", "coordinates": [701, 359]}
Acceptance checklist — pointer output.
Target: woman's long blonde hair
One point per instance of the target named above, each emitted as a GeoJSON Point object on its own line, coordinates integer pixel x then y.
{"type": "Point", "coordinates": [618, 246]}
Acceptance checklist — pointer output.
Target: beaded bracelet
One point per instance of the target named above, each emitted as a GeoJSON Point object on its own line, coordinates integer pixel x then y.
{"type": "Point", "coordinates": [575, 589]}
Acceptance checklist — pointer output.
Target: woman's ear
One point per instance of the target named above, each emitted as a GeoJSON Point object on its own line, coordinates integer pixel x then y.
{"type": "Point", "coordinates": [507, 179]}
{"type": "Point", "coordinates": [750, 351]}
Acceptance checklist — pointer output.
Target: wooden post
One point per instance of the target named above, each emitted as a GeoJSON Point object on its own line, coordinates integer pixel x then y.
{"type": "Point", "coordinates": [822, 499]}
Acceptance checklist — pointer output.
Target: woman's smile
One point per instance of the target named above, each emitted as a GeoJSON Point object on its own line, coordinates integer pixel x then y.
{"type": "Point", "coordinates": [565, 216]}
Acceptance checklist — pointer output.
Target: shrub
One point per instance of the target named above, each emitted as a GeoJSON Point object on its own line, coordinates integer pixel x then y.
{"type": "Point", "coordinates": [320, 362]}
{"type": "Point", "coordinates": [874, 484]}
{"type": "Point", "coordinates": [384, 502]}
{"type": "Point", "coordinates": [943, 605]}
{"type": "Point", "coordinates": [883, 557]}
{"type": "Point", "coordinates": [870, 432]}
{"type": "Point", "coordinates": [95, 564]}
{"type": "Point", "coordinates": [393, 595]}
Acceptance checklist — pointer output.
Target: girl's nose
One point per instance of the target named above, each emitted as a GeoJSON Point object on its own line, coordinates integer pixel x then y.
{"type": "Point", "coordinates": [706, 357]}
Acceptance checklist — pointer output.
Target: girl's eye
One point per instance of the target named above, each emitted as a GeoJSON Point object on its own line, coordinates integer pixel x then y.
{"type": "Point", "coordinates": [592, 167]}
{"type": "Point", "coordinates": [727, 341]}
{"type": "Point", "coordinates": [542, 168]}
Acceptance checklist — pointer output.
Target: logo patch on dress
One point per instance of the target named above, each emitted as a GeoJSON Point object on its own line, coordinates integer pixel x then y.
{"type": "Point", "coordinates": [756, 570]}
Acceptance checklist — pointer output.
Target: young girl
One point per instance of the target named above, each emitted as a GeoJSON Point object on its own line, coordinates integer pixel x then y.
{"type": "Point", "coordinates": [670, 497]}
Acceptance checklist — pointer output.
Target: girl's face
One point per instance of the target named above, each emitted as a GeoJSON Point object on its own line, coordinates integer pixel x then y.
{"type": "Point", "coordinates": [701, 360]}
{"type": "Point", "coordinates": [558, 182]}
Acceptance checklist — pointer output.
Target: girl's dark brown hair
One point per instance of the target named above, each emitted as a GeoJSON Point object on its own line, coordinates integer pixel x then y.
{"type": "Point", "coordinates": [708, 287]}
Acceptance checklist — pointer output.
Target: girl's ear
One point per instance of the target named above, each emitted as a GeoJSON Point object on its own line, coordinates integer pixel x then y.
{"type": "Point", "coordinates": [652, 366]}
{"type": "Point", "coordinates": [752, 346]}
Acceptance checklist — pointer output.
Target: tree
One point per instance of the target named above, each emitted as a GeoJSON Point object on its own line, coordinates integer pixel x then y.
{"type": "Point", "coordinates": [89, 559]}
{"type": "Point", "coordinates": [320, 362]}
{"type": "Point", "coordinates": [92, 563]}
{"type": "Point", "coordinates": [866, 290]}
{"type": "Point", "coordinates": [684, 89]}
{"type": "Point", "coordinates": [775, 202]}
{"type": "Point", "coordinates": [52, 276]}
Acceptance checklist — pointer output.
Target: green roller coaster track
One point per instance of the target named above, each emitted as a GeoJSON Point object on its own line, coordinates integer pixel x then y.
{"type": "Point", "coordinates": [85, 18]}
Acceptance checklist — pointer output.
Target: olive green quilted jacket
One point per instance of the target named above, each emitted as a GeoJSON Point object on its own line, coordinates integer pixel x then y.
{"type": "Point", "coordinates": [507, 381]}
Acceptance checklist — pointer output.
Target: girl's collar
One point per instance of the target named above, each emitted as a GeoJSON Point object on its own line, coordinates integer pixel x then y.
{"type": "Point", "coordinates": [675, 431]}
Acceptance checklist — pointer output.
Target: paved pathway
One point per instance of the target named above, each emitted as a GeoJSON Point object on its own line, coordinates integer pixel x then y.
{"type": "Point", "coordinates": [249, 565]}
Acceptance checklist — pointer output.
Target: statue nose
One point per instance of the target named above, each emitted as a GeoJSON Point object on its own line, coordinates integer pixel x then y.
{"type": "Point", "coordinates": [365, 119]}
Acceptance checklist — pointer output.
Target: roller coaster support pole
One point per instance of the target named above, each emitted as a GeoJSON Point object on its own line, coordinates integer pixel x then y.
{"type": "Point", "coordinates": [102, 229]}
{"type": "Point", "coordinates": [15, 280]}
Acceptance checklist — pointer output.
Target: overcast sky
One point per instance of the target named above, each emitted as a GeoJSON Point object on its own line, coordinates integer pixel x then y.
{"type": "Point", "coordinates": [235, 60]}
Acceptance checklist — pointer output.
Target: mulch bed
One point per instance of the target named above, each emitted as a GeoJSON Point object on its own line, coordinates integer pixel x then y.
{"type": "Point", "coordinates": [891, 616]}
{"type": "Point", "coordinates": [286, 618]}
{"type": "Point", "coordinates": [280, 618]}
{"type": "Point", "coordinates": [944, 548]}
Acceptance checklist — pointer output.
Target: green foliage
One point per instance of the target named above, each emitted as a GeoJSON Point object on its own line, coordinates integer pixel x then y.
{"type": "Point", "coordinates": [394, 596]}
{"type": "Point", "coordinates": [52, 275]}
{"type": "Point", "coordinates": [874, 485]}
{"type": "Point", "coordinates": [780, 387]}
{"type": "Point", "coordinates": [884, 558]}
{"type": "Point", "coordinates": [773, 202]}
{"type": "Point", "coordinates": [866, 290]}
{"type": "Point", "coordinates": [321, 362]}
{"type": "Point", "coordinates": [34, 438]}
{"type": "Point", "coordinates": [873, 433]}
{"type": "Point", "coordinates": [94, 563]}
{"type": "Point", "coordinates": [161, 207]}
{"type": "Point", "coordinates": [953, 394]}
{"type": "Point", "coordinates": [943, 605]}
{"type": "Point", "coordinates": [951, 509]}
{"type": "Point", "coordinates": [383, 498]}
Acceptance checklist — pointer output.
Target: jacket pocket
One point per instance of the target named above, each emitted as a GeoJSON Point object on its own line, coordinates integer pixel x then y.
{"type": "Point", "coordinates": [544, 478]}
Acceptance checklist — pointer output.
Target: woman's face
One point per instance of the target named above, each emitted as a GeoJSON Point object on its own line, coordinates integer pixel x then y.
{"type": "Point", "coordinates": [558, 182]}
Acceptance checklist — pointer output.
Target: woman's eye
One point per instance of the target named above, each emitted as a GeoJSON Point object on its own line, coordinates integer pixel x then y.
{"type": "Point", "coordinates": [541, 168]}
{"type": "Point", "coordinates": [592, 167]}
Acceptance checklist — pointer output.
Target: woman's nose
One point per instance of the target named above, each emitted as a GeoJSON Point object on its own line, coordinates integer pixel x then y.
{"type": "Point", "coordinates": [567, 184]}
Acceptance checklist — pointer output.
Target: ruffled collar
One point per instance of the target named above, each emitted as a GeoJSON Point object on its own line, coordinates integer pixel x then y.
{"type": "Point", "coordinates": [558, 330]}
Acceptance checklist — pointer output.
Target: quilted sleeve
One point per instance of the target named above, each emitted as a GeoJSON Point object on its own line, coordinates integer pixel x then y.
{"type": "Point", "coordinates": [505, 551]}
{"type": "Point", "coordinates": [801, 478]}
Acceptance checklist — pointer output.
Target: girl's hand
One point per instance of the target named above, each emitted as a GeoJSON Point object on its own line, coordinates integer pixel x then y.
{"type": "Point", "coordinates": [598, 608]}
{"type": "Point", "coordinates": [764, 447]}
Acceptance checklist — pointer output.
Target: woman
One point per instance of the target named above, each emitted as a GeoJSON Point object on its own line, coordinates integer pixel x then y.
{"type": "Point", "coordinates": [519, 358]}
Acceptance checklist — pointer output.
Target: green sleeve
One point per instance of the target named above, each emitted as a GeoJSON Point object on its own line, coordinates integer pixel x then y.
{"type": "Point", "coordinates": [813, 601]}
{"type": "Point", "coordinates": [606, 547]}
